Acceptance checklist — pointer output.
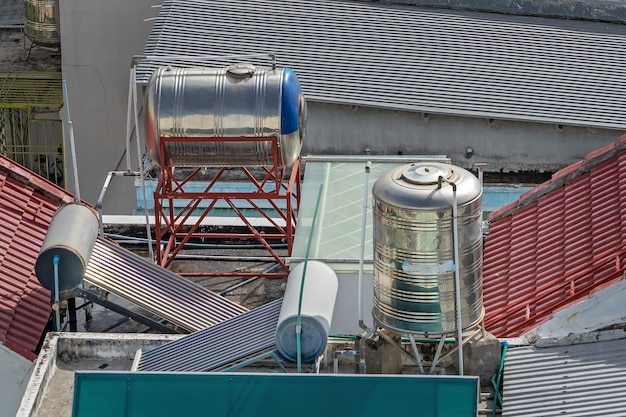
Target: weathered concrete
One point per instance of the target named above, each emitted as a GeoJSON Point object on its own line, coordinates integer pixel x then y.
{"type": "Point", "coordinates": [503, 145]}
{"type": "Point", "coordinates": [15, 372]}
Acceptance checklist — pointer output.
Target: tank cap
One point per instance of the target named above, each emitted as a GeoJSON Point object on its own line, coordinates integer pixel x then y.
{"type": "Point", "coordinates": [243, 70]}
{"type": "Point", "coordinates": [424, 174]}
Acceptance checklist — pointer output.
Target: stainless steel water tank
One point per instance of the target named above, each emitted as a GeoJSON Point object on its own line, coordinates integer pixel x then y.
{"type": "Point", "coordinates": [71, 236]}
{"type": "Point", "coordinates": [414, 285]}
{"type": "Point", "coordinates": [41, 22]}
{"type": "Point", "coordinates": [207, 111]}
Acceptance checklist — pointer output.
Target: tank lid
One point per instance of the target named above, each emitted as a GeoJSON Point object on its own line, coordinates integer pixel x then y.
{"type": "Point", "coordinates": [242, 70]}
{"type": "Point", "coordinates": [425, 174]}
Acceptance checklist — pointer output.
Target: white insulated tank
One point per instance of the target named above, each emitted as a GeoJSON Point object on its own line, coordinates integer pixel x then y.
{"type": "Point", "coordinates": [318, 303]}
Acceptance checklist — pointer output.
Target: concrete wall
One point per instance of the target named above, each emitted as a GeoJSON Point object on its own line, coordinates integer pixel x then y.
{"type": "Point", "coordinates": [15, 373]}
{"type": "Point", "coordinates": [98, 41]}
{"type": "Point", "coordinates": [504, 145]}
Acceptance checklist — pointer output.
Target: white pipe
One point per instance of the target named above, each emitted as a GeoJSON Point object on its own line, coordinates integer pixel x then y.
{"type": "Point", "coordinates": [457, 274]}
{"type": "Point", "coordinates": [128, 118]}
{"type": "Point", "coordinates": [71, 144]}
{"type": "Point", "coordinates": [368, 166]}
{"type": "Point", "coordinates": [141, 172]}
{"type": "Point", "coordinates": [347, 352]}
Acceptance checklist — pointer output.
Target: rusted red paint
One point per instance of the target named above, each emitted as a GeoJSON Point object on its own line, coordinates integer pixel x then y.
{"type": "Point", "coordinates": [557, 244]}
{"type": "Point", "coordinates": [27, 204]}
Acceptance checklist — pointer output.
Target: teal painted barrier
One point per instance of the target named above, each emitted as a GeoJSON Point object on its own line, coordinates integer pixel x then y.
{"type": "Point", "coordinates": [139, 394]}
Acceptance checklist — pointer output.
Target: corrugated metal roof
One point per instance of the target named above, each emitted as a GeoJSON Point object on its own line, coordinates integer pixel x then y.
{"type": "Point", "coordinates": [410, 58]}
{"type": "Point", "coordinates": [577, 380]}
{"type": "Point", "coordinates": [11, 13]}
{"type": "Point", "coordinates": [249, 334]}
{"type": "Point", "coordinates": [27, 204]}
{"type": "Point", "coordinates": [557, 243]}
{"type": "Point", "coordinates": [157, 289]}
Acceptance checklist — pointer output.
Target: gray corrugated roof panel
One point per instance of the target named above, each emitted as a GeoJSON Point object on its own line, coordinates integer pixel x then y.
{"type": "Point", "coordinates": [217, 346]}
{"type": "Point", "coordinates": [410, 58]}
{"type": "Point", "coordinates": [11, 13]}
{"type": "Point", "coordinates": [157, 289]}
{"type": "Point", "coordinates": [576, 380]}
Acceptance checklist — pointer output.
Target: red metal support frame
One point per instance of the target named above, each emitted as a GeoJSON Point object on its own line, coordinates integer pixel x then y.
{"type": "Point", "coordinates": [273, 197]}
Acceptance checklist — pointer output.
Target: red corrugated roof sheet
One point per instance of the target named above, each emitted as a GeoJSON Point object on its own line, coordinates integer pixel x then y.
{"type": "Point", "coordinates": [557, 243]}
{"type": "Point", "coordinates": [27, 204]}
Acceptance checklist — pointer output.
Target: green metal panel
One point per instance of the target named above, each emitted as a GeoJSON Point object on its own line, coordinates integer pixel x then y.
{"type": "Point", "coordinates": [139, 394]}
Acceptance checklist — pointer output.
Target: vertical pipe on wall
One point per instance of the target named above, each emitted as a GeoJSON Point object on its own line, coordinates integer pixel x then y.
{"type": "Point", "coordinates": [457, 273]}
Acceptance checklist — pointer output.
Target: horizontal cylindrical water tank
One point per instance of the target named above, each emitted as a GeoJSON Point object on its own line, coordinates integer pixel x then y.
{"type": "Point", "coordinates": [203, 117]}
{"type": "Point", "coordinates": [71, 236]}
{"type": "Point", "coordinates": [414, 265]}
{"type": "Point", "coordinates": [316, 311]}
{"type": "Point", "coordinates": [41, 22]}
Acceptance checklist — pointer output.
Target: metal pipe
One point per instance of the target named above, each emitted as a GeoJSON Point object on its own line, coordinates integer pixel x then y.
{"type": "Point", "coordinates": [347, 352]}
{"type": "Point", "coordinates": [241, 284]}
{"type": "Point", "coordinates": [128, 118]}
{"type": "Point", "coordinates": [368, 167]}
{"type": "Point", "coordinates": [375, 158]}
{"type": "Point", "coordinates": [71, 144]}
{"type": "Point", "coordinates": [457, 278]}
{"type": "Point", "coordinates": [416, 354]}
{"type": "Point", "coordinates": [368, 330]}
{"type": "Point", "coordinates": [100, 201]}
{"type": "Point", "coordinates": [133, 81]}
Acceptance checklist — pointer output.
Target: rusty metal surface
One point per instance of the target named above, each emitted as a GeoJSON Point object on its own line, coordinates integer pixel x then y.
{"type": "Point", "coordinates": [557, 244]}
{"type": "Point", "coordinates": [27, 204]}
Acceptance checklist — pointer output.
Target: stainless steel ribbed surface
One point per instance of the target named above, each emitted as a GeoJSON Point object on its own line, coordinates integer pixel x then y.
{"type": "Point", "coordinates": [411, 58]}
{"type": "Point", "coordinates": [217, 346]}
{"type": "Point", "coordinates": [414, 248]}
{"type": "Point", "coordinates": [156, 289]}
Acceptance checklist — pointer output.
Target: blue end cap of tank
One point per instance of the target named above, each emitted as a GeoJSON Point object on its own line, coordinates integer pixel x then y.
{"type": "Point", "coordinates": [290, 108]}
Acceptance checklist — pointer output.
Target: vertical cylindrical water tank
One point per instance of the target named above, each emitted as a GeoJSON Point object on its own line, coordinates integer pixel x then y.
{"type": "Point", "coordinates": [71, 236]}
{"type": "Point", "coordinates": [414, 265]}
{"type": "Point", "coordinates": [316, 311]}
{"type": "Point", "coordinates": [209, 115]}
{"type": "Point", "coordinates": [41, 22]}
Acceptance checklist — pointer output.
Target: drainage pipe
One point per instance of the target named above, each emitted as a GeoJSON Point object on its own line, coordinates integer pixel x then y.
{"type": "Point", "coordinates": [368, 331]}
{"type": "Point", "coordinates": [457, 278]}
{"type": "Point", "coordinates": [347, 352]}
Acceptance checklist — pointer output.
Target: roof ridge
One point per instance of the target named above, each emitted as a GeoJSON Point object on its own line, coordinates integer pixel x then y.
{"type": "Point", "coordinates": [561, 178]}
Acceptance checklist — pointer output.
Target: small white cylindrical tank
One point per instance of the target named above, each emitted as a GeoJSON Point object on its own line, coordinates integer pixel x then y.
{"type": "Point", "coordinates": [71, 236]}
{"type": "Point", "coordinates": [316, 312]}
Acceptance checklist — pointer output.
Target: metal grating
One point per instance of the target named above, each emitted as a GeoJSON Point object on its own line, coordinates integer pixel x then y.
{"type": "Point", "coordinates": [155, 289]}
{"type": "Point", "coordinates": [217, 346]}
{"type": "Point", "coordinates": [31, 89]}
{"type": "Point", "coordinates": [577, 380]}
{"type": "Point", "coordinates": [557, 243]}
{"type": "Point", "coordinates": [411, 58]}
